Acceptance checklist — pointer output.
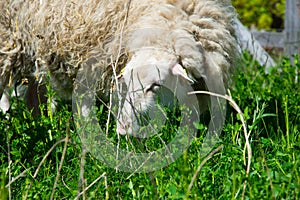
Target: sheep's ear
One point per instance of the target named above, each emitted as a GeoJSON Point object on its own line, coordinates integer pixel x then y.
{"type": "Point", "coordinates": [178, 70]}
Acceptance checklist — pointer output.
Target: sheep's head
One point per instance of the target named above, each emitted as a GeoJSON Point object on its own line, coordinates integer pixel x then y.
{"type": "Point", "coordinates": [143, 77]}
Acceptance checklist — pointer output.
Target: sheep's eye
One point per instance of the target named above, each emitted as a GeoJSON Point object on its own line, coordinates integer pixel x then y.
{"type": "Point", "coordinates": [154, 87]}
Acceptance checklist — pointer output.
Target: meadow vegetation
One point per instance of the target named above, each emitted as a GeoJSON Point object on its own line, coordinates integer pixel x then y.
{"type": "Point", "coordinates": [41, 157]}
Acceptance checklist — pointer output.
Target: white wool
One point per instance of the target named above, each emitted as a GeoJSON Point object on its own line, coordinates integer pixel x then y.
{"type": "Point", "coordinates": [61, 37]}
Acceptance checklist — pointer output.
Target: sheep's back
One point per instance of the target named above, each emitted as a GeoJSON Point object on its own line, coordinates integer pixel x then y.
{"type": "Point", "coordinates": [58, 36]}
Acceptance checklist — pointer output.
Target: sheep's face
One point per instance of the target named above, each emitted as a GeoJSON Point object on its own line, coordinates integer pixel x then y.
{"type": "Point", "coordinates": [144, 76]}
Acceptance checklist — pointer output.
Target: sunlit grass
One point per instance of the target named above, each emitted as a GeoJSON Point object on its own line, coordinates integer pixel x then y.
{"type": "Point", "coordinates": [32, 149]}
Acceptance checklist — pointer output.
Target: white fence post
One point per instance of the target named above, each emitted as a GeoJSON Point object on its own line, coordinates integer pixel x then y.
{"type": "Point", "coordinates": [249, 43]}
{"type": "Point", "coordinates": [292, 28]}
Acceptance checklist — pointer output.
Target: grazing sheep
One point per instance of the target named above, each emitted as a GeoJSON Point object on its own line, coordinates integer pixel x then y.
{"type": "Point", "coordinates": [150, 41]}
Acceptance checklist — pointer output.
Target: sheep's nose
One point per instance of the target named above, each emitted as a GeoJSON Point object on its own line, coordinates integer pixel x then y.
{"type": "Point", "coordinates": [121, 130]}
{"type": "Point", "coordinates": [123, 127]}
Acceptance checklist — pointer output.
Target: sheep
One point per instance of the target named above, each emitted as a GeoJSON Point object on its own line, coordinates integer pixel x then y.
{"type": "Point", "coordinates": [191, 39]}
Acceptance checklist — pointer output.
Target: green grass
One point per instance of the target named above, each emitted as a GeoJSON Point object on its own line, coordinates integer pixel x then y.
{"type": "Point", "coordinates": [270, 105]}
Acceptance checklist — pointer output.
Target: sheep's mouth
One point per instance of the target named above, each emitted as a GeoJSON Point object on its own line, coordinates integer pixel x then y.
{"type": "Point", "coordinates": [164, 108]}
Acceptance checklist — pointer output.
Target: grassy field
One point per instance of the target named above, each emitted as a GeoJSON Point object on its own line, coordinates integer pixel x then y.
{"type": "Point", "coordinates": [42, 158]}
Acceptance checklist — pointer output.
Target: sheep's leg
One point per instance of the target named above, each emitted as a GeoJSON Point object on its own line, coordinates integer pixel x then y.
{"type": "Point", "coordinates": [35, 96]}
{"type": "Point", "coordinates": [4, 90]}
{"type": "Point", "coordinates": [4, 102]}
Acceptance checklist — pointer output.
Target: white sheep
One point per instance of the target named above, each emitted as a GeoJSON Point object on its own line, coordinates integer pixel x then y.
{"type": "Point", "coordinates": [60, 37]}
